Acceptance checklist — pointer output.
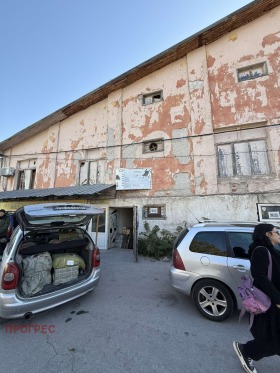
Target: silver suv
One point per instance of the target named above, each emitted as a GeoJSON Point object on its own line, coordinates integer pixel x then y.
{"type": "Point", "coordinates": [208, 262]}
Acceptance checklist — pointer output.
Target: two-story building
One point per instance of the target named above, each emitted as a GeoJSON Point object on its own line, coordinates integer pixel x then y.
{"type": "Point", "coordinates": [192, 133]}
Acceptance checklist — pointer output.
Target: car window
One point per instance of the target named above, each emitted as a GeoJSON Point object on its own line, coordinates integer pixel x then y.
{"type": "Point", "coordinates": [213, 243]}
{"type": "Point", "coordinates": [239, 243]}
{"type": "Point", "coordinates": [180, 237]}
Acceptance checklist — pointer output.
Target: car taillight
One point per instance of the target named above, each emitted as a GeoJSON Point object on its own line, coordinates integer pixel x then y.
{"type": "Point", "coordinates": [95, 257]}
{"type": "Point", "coordinates": [177, 260]}
{"type": "Point", "coordinates": [10, 278]}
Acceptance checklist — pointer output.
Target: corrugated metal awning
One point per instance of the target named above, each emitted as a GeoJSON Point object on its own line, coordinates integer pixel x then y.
{"type": "Point", "coordinates": [73, 191]}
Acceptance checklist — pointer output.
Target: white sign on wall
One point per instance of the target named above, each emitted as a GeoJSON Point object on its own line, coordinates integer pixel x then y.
{"type": "Point", "coordinates": [269, 211]}
{"type": "Point", "coordinates": [133, 178]}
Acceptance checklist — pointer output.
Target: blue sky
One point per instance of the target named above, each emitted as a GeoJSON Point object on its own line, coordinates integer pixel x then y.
{"type": "Point", "coordinates": [55, 51]}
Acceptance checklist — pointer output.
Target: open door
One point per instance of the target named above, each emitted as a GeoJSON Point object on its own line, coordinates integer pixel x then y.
{"type": "Point", "coordinates": [135, 233]}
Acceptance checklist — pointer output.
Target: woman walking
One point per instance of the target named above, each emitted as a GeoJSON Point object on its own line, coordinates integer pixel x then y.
{"type": "Point", "coordinates": [266, 326]}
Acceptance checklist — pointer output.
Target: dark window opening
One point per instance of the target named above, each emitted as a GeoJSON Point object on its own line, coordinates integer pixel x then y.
{"type": "Point", "coordinates": [151, 98]}
{"type": "Point", "coordinates": [21, 180]}
{"type": "Point", "coordinates": [153, 146]}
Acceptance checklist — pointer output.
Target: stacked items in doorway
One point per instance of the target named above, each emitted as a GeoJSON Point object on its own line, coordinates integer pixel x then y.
{"type": "Point", "coordinates": [66, 267]}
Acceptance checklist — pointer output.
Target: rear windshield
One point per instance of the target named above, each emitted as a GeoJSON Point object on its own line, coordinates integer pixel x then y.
{"type": "Point", "coordinates": [56, 220]}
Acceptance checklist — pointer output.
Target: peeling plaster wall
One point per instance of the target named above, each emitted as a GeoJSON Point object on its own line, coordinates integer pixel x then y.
{"type": "Point", "coordinates": [205, 180]}
{"type": "Point", "coordinates": [82, 137]}
{"type": "Point", "coordinates": [247, 101]}
{"type": "Point", "coordinates": [252, 101]}
{"type": "Point", "coordinates": [201, 96]}
{"type": "Point", "coordinates": [114, 135]}
{"type": "Point", "coordinates": [42, 148]}
{"type": "Point", "coordinates": [160, 120]}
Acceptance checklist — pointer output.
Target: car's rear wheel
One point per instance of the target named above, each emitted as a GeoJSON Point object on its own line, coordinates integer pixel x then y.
{"type": "Point", "coordinates": [213, 300]}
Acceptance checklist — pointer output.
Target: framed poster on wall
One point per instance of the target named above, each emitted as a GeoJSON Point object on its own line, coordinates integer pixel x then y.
{"type": "Point", "coordinates": [269, 212]}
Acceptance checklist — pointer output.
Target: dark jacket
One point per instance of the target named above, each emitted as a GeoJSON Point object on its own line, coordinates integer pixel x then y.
{"type": "Point", "coordinates": [4, 225]}
{"type": "Point", "coordinates": [266, 327]}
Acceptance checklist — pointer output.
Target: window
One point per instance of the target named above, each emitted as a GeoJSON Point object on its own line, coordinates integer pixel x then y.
{"type": "Point", "coordinates": [212, 243]}
{"type": "Point", "coordinates": [243, 159]}
{"type": "Point", "coordinates": [151, 98]}
{"type": "Point", "coordinates": [252, 72]}
{"type": "Point", "coordinates": [91, 172]}
{"type": "Point", "coordinates": [154, 212]}
{"type": "Point", "coordinates": [26, 179]}
{"type": "Point", "coordinates": [100, 221]}
{"type": "Point", "coordinates": [153, 146]}
{"type": "Point", "coordinates": [21, 180]}
{"type": "Point", "coordinates": [26, 174]}
{"type": "Point", "coordinates": [239, 243]}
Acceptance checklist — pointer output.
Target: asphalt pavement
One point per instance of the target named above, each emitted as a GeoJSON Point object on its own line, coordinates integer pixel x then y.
{"type": "Point", "coordinates": [133, 322]}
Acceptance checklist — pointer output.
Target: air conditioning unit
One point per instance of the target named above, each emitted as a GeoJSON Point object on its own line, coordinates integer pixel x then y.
{"type": "Point", "coordinates": [7, 171]}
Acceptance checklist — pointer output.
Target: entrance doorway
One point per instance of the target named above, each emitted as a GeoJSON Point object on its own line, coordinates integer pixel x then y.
{"type": "Point", "coordinates": [123, 228]}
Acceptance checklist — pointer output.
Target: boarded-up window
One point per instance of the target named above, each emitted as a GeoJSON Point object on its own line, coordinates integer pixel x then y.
{"type": "Point", "coordinates": [91, 172]}
{"type": "Point", "coordinates": [259, 158]}
{"type": "Point", "coordinates": [243, 159]}
{"type": "Point", "coordinates": [225, 160]}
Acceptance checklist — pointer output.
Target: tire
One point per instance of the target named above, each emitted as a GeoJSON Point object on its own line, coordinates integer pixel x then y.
{"type": "Point", "coordinates": [213, 300]}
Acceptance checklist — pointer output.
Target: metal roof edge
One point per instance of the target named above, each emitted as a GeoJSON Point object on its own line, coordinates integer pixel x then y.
{"type": "Point", "coordinates": [79, 190]}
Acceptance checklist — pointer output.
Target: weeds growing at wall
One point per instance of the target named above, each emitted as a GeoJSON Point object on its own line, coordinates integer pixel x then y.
{"type": "Point", "coordinates": [156, 243]}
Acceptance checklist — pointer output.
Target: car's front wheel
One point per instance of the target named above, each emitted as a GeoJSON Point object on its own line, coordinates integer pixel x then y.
{"type": "Point", "coordinates": [213, 300]}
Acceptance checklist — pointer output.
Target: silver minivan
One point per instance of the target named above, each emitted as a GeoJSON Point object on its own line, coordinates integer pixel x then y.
{"type": "Point", "coordinates": [49, 260]}
{"type": "Point", "coordinates": [208, 262]}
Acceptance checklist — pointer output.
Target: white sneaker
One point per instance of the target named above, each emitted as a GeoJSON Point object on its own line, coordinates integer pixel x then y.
{"type": "Point", "coordinates": [246, 361]}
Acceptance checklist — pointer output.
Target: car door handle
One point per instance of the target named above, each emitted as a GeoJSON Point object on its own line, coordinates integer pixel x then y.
{"type": "Point", "coordinates": [240, 268]}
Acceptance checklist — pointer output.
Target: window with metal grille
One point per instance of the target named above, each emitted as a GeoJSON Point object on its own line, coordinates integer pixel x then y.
{"type": "Point", "coordinates": [154, 212]}
{"type": "Point", "coordinates": [243, 159]}
{"type": "Point", "coordinates": [153, 146]}
{"type": "Point", "coordinates": [151, 98]}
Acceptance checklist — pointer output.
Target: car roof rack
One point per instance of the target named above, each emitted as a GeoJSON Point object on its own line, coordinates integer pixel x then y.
{"type": "Point", "coordinates": [212, 223]}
